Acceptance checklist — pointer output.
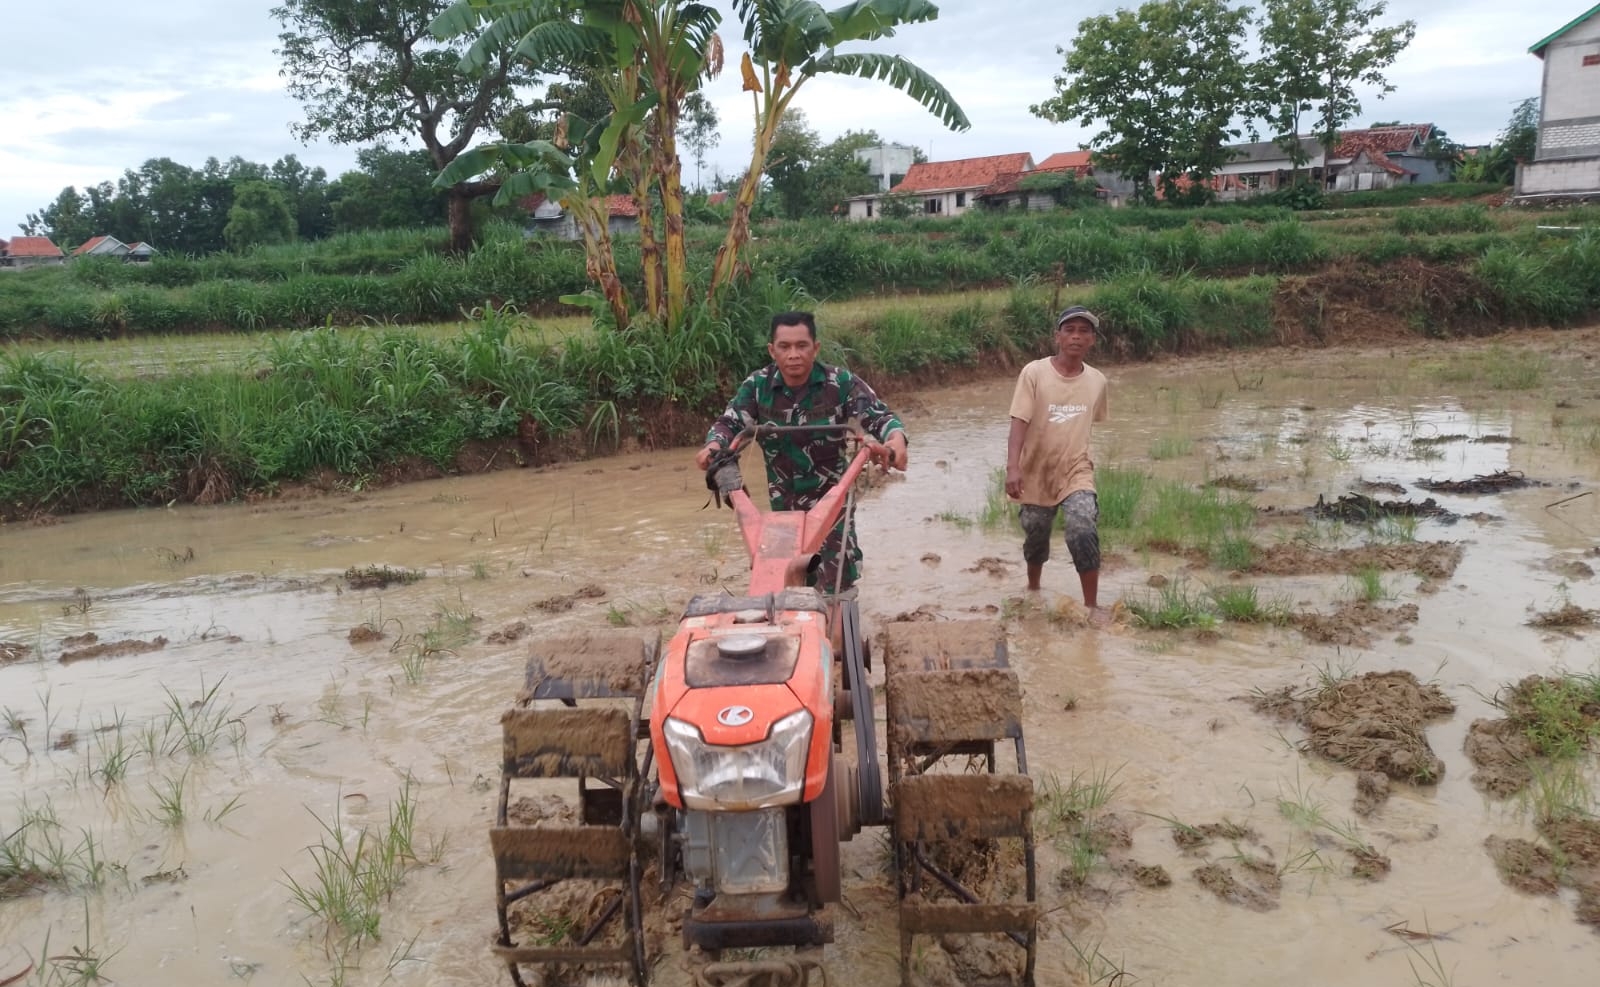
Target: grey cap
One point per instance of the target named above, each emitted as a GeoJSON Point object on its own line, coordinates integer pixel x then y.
{"type": "Point", "coordinates": [1078, 312]}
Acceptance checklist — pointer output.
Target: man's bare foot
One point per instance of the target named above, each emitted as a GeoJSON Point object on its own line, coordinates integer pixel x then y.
{"type": "Point", "coordinates": [1099, 617]}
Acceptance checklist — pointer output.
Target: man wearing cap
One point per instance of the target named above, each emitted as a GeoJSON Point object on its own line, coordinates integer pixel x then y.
{"type": "Point", "coordinates": [1048, 468]}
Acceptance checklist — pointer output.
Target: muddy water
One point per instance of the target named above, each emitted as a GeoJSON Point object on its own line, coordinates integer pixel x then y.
{"type": "Point", "coordinates": [304, 730]}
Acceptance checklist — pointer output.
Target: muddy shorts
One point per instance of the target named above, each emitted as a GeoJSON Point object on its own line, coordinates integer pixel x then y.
{"type": "Point", "coordinates": [1081, 511]}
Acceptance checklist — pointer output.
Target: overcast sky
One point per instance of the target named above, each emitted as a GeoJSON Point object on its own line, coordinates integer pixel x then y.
{"type": "Point", "coordinates": [119, 83]}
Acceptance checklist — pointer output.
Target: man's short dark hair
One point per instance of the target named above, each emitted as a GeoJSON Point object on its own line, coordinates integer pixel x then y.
{"type": "Point", "coordinates": [793, 319]}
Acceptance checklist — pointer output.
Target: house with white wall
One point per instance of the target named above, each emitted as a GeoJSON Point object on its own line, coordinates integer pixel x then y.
{"type": "Point", "coordinates": [1566, 162]}
{"type": "Point", "coordinates": [943, 188]}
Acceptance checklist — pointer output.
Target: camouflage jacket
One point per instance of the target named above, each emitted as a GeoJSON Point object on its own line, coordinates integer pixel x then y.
{"type": "Point", "coordinates": [800, 469]}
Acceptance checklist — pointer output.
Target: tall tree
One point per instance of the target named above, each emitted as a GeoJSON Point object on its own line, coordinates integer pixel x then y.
{"type": "Point", "coordinates": [794, 150]}
{"type": "Point", "coordinates": [1314, 53]}
{"type": "Point", "coordinates": [68, 221]}
{"type": "Point", "coordinates": [370, 69]}
{"type": "Point", "coordinates": [700, 133]}
{"type": "Point", "coordinates": [1169, 83]}
{"type": "Point", "coordinates": [260, 214]}
{"type": "Point", "coordinates": [650, 55]}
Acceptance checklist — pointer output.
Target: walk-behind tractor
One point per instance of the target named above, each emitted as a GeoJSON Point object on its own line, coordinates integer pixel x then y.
{"type": "Point", "coordinates": [723, 770]}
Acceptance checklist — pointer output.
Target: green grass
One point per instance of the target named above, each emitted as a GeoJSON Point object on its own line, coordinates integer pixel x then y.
{"type": "Point", "coordinates": [354, 875]}
{"type": "Point", "coordinates": [1171, 447]}
{"type": "Point", "coordinates": [1173, 607]}
{"type": "Point", "coordinates": [1559, 715]}
{"type": "Point", "coordinates": [1243, 604]}
{"type": "Point", "coordinates": [1367, 585]}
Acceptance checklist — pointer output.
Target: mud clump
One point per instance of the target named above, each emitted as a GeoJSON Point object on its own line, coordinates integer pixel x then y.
{"type": "Point", "coordinates": [1195, 837]}
{"type": "Point", "coordinates": [1373, 722]}
{"type": "Point", "coordinates": [1528, 867]}
{"type": "Point", "coordinates": [1431, 559]}
{"type": "Point", "coordinates": [364, 634]}
{"type": "Point", "coordinates": [1503, 756]}
{"type": "Point", "coordinates": [1354, 624]}
{"type": "Point", "coordinates": [509, 634]}
{"type": "Point", "coordinates": [1382, 486]}
{"type": "Point", "coordinates": [379, 577]}
{"type": "Point", "coordinates": [79, 640]}
{"type": "Point", "coordinates": [1256, 889]}
{"type": "Point", "coordinates": [1361, 509]}
{"type": "Point", "coordinates": [564, 601]}
{"type": "Point", "coordinates": [1567, 617]}
{"type": "Point", "coordinates": [1372, 791]}
{"type": "Point", "coordinates": [1544, 717]}
{"type": "Point", "coordinates": [1370, 865]}
{"type": "Point", "coordinates": [114, 649]}
{"type": "Point", "coordinates": [997, 568]}
{"type": "Point", "coordinates": [1484, 483]}
{"type": "Point", "coordinates": [13, 651]}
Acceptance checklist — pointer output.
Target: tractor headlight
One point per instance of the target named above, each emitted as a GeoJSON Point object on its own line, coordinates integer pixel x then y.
{"type": "Point", "coordinates": [755, 776]}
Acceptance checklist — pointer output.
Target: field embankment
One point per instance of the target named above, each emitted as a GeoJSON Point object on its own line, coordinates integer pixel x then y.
{"type": "Point", "coordinates": [369, 405]}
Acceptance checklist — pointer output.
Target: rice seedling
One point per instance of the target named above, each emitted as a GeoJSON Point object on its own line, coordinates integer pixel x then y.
{"type": "Point", "coordinates": [82, 965]}
{"type": "Point", "coordinates": [1171, 447]}
{"type": "Point", "coordinates": [1367, 585]}
{"type": "Point", "coordinates": [1394, 529]}
{"type": "Point", "coordinates": [1096, 967]}
{"type": "Point", "coordinates": [1069, 815]}
{"type": "Point", "coordinates": [1557, 714]}
{"type": "Point", "coordinates": [1173, 607]}
{"type": "Point", "coordinates": [355, 874]}
{"type": "Point", "coordinates": [169, 795]}
{"type": "Point", "coordinates": [997, 512]}
{"type": "Point", "coordinates": [217, 813]}
{"type": "Point", "coordinates": [1559, 790]}
{"type": "Point", "coordinates": [1234, 554]}
{"type": "Point", "coordinates": [955, 518]}
{"type": "Point", "coordinates": [196, 726]}
{"type": "Point", "coordinates": [1242, 604]}
{"type": "Point", "coordinates": [1120, 493]}
{"type": "Point", "coordinates": [112, 752]}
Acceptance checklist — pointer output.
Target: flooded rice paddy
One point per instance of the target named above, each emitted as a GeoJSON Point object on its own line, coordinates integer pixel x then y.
{"type": "Point", "coordinates": [200, 703]}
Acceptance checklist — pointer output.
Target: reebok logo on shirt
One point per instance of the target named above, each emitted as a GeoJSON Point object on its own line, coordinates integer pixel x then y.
{"type": "Point", "coordinates": [1060, 414]}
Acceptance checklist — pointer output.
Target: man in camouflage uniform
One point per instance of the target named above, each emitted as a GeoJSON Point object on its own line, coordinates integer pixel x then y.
{"type": "Point", "coordinates": [794, 389]}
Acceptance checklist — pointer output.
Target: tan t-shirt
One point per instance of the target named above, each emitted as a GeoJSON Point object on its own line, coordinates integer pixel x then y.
{"type": "Point", "coordinates": [1059, 411]}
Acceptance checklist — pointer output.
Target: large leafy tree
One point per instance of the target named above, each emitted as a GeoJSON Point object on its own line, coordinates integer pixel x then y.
{"type": "Point", "coordinates": [651, 55]}
{"type": "Point", "coordinates": [367, 70]}
{"type": "Point", "coordinates": [811, 178]}
{"type": "Point", "coordinates": [1168, 83]}
{"type": "Point", "coordinates": [260, 214]}
{"type": "Point", "coordinates": [1314, 55]}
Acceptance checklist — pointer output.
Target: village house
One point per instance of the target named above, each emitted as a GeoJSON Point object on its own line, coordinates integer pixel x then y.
{"type": "Point", "coordinates": [1383, 157]}
{"type": "Point", "coordinates": [943, 188]}
{"type": "Point", "coordinates": [32, 251]}
{"type": "Point", "coordinates": [545, 216]}
{"type": "Point", "coordinates": [101, 246]}
{"type": "Point", "coordinates": [1264, 166]}
{"type": "Point", "coordinates": [1010, 191]}
{"type": "Point", "coordinates": [1566, 162]}
{"type": "Point", "coordinates": [140, 252]}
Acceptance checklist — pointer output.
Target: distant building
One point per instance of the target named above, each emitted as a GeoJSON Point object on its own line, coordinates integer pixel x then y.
{"type": "Point", "coordinates": [1388, 156]}
{"type": "Point", "coordinates": [943, 188]}
{"type": "Point", "coordinates": [101, 246]}
{"type": "Point", "coordinates": [1009, 191]}
{"type": "Point", "coordinates": [1566, 163]}
{"type": "Point", "coordinates": [888, 163]}
{"type": "Point", "coordinates": [32, 251]}
{"type": "Point", "coordinates": [547, 217]}
{"type": "Point", "coordinates": [140, 252]}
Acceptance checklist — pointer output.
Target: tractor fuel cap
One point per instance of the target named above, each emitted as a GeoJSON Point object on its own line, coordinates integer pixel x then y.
{"type": "Point", "coordinates": [739, 646]}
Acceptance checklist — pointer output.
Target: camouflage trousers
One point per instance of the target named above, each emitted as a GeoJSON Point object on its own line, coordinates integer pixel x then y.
{"type": "Point", "coordinates": [1081, 511]}
{"type": "Point", "coordinates": [825, 577]}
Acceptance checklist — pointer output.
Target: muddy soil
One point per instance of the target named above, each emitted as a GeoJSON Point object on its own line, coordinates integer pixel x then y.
{"type": "Point", "coordinates": [312, 732]}
{"type": "Point", "coordinates": [1372, 722]}
{"type": "Point", "coordinates": [1491, 483]}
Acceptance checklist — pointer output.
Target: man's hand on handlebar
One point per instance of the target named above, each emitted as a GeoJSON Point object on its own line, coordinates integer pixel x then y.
{"type": "Point", "coordinates": [890, 454]}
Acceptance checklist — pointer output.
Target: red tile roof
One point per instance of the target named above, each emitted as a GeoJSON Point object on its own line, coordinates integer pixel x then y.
{"type": "Point", "coordinates": [33, 246]}
{"type": "Point", "coordinates": [622, 205]}
{"type": "Point", "coordinates": [1382, 140]}
{"type": "Point", "coordinates": [619, 205]}
{"type": "Point", "coordinates": [967, 173]}
{"type": "Point", "coordinates": [1062, 160]}
{"type": "Point", "coordinates": [89, 245]}
{"type": "Point", "coordinates": [1381, 160]}
{"type": "Point", "coordinates": [716, 198]}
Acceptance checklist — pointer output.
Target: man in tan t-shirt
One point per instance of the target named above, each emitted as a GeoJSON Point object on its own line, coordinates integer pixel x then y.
{"type": "Point", "coordinates": [1047, 457]}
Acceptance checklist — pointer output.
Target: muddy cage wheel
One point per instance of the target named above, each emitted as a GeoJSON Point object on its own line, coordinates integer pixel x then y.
{"type": "Point", "coordinates": [581, 720]}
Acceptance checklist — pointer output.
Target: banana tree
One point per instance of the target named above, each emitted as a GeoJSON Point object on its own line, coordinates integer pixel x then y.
{"type": "Point", "coordinates": [793, 41]}
{"type": "Point", "coordinates": [648, 55]}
